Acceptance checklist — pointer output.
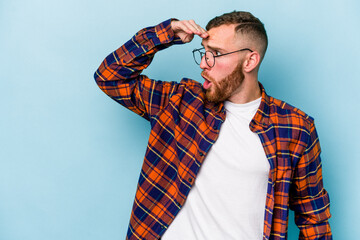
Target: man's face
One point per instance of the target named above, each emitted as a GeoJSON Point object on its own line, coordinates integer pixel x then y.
{"type": "Point", "coordinates": [222, 89]}
{"type": "Point", "coordinates": [226, 76]}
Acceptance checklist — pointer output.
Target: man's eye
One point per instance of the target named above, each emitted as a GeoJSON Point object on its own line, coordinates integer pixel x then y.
{"type": "Point", "coordinates": [217, 53]}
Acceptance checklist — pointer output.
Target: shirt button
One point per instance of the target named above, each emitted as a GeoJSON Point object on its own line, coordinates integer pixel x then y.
{"type": "Point", "coordinates": [215, 128]}
{"type": "Point", "coordinates": [201, 154]}
{"type": "Point", "coordinates": [190, 179]}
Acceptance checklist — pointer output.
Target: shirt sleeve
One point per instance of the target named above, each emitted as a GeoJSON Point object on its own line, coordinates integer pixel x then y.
{"type": "Point", "coordinates": [308, 199]}
{"type": "Point", "coordinates": [119, 75]}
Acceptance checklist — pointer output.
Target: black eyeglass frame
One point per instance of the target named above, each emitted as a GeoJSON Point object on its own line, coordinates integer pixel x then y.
{"type": "Point", "coordinates": [204, 53]}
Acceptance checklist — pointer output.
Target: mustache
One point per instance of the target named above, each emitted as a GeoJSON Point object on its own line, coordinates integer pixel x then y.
{"type": "Point", "coordinates": [204, 75]}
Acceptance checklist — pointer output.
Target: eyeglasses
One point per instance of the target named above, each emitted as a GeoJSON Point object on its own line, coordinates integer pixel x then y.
{"type": "Point", "coordinates": [210, 57]}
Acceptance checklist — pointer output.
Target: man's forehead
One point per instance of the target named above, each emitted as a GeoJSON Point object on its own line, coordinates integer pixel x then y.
{"type": "Point", "coordinates": [220, 36]}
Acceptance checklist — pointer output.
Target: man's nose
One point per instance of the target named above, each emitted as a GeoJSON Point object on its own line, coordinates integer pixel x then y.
{"type": "Point", "coordinates": [203, 64]}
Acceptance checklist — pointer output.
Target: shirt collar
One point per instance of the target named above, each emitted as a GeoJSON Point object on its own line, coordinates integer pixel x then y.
{"type": "Point", "coordinates": [262, 115]}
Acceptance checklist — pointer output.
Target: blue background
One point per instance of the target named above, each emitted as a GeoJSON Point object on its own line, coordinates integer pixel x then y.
{"type": "Point", "coordinates": [70, 156]}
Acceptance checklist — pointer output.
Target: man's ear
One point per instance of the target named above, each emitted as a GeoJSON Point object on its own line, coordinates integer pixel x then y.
{"type": "Point", "coordinates": [252, 61]}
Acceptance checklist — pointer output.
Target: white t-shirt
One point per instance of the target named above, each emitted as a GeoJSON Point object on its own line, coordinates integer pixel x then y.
{"type": "Point", "coordinates": [228, 198]}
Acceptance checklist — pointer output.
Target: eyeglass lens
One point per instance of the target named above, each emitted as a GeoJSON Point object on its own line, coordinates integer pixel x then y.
{"type": "Point", "coordinates": [209, 57]}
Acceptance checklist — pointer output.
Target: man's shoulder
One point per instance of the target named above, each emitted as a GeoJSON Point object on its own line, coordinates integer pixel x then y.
{"type": "Point", "coordinates": [184, 83]}
{"type": "Point", "coordinates": [280, 108]}
{"type": "Point", "coordinates": [191, 83]}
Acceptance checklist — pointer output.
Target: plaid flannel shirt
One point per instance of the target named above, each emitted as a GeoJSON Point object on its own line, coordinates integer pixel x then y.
{"type": "Point", "coordinates": [183, 128]}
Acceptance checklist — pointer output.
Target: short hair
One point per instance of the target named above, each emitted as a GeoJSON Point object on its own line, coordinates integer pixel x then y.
{"type": "Point", "coordinates": [247, 24]}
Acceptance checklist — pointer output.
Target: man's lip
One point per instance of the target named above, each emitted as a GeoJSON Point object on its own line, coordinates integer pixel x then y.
{"type": "Point", "coordinates": [207, 82]}
{"type": "Point", "coordinates": [205, 77]}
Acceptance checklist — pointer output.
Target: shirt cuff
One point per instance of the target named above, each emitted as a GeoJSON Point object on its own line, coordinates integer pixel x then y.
{"type": "Point", "coordinates": [165, 33]}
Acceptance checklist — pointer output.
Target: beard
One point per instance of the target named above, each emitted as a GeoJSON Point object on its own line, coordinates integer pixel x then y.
{"type": "Point", "coordinates": [223, 89]}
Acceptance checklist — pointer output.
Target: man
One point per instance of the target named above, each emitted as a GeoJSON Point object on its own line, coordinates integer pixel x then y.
{"type": "Point", "coordinates": [258, 155]}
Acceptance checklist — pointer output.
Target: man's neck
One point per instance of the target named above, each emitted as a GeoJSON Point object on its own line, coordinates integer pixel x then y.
{"type": "Point", "coordinates": [248, 91]}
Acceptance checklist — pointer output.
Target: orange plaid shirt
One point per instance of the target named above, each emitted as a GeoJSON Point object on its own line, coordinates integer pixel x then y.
{"type": "Point", "coordinates": [183, 128]}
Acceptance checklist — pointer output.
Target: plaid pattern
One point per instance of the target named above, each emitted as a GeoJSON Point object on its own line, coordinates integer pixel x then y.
{"type": "Point", "coordinates": [183, 128]}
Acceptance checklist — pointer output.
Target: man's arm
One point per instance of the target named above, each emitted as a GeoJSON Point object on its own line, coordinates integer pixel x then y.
{"type": "Point", "coordinates": [308, 199]}
{"type": "Point", "coordinates": [119, 75]}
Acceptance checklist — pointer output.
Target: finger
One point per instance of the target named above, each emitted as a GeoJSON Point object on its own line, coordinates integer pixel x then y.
{"type": "Point", "coordinates": [192, 26]}
{"type": "Point", "coordinates": [204, 33]}
{"type": "Point", "coordinates": [195, 25]}
{"type": "Point", "coordinates": [185, 27]}
{"type": "Point", "coordinates": [200, 31]}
